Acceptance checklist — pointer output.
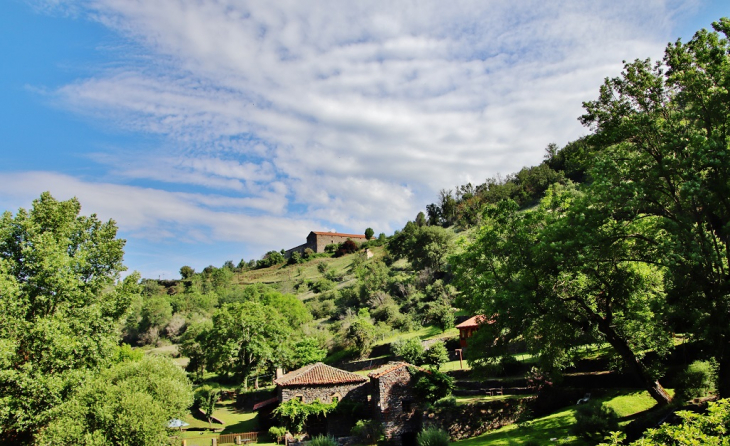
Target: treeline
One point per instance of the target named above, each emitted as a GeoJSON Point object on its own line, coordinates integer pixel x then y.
{"type": "Point", "coordinates": [462, 206]}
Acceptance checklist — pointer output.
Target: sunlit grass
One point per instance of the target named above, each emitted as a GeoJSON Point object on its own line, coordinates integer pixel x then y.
{"type": "Point", "coordinates": [555, 428]}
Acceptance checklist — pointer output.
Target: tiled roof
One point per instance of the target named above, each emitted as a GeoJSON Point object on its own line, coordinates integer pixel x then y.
{"type": "Point", "coordinates": [390, 367]}
{"type": "Point", "coordinates": [339, 234]}
{"type": "Point", "coordinates": [474, 321]}
{"type": "Point", "coordinates": [318, 374]}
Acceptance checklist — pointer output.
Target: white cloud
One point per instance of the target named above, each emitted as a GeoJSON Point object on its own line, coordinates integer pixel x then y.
{"type": "Point", "coordinates": [357, 112]}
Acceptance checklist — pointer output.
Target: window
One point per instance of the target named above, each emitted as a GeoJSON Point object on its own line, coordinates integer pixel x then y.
{"type": "Point", "coordinates": [336, 397]}
{"type": "Point", "coordinates": [299, 397]}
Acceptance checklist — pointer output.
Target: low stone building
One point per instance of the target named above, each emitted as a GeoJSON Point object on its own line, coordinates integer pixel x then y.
{"type": "Point", "coordinates": [394, 402]}
{"type": "Point", "coordinates": [317, 241]}
{"type": "Point", "coordinates": [321, 382]}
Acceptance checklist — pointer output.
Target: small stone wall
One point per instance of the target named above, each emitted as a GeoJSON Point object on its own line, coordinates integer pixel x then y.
{"type": "Point", "coordinates": [475, 419]}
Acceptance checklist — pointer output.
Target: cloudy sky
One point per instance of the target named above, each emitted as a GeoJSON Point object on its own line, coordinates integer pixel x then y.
{"type": "Point", "coordinates": [216, 130]}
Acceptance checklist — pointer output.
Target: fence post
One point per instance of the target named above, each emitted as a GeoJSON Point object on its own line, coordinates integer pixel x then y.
{"type": "Point", "coordinates": [214, 442]}
{"type": "Point", "coordinates": [184, 443]}
{"type": "Point", "coordinates": [238, 439]}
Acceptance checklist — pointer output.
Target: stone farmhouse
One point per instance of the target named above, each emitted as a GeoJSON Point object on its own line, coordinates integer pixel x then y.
{"type": "Point", "coordinates": [317, 241]}
{"type": "Point", "coordinates": [386, 394]}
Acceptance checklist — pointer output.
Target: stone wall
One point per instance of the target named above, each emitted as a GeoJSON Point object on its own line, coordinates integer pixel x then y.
{"type": "Point", "coordinates": [355, 392]}
{"type": "Point", "coordinates": [475, 419]}
{"type": "Point", "coordinates": [395, 403]}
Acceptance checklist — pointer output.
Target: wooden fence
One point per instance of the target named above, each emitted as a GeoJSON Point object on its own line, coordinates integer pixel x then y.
{"type": "Point", "coordinates": [245, 438]}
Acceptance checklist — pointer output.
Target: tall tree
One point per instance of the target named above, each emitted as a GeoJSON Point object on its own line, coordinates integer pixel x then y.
{"type": "Point", "coordinates": [663, 133]}
{"type": "Point", "coordinates": [560, 273]}
{"type": "Point", "coordinates": [59, 309]}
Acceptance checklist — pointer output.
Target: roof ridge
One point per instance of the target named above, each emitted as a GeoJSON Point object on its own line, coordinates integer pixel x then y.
{"type": "Point", "coordinates": [318, 373]}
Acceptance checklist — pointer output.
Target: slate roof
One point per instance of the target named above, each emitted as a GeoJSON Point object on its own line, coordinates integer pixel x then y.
{"type": "Point", "coordinates": [318, 374]}
{"type": "Point", "coordinates": [473, 321]}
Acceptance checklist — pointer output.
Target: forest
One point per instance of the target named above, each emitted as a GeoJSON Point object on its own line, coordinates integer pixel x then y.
{"type": "Point", "coordinates": [617, 241]}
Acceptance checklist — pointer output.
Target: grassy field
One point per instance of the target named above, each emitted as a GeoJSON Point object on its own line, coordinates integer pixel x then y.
{"type": "Point", "coordinates": [555, 428]}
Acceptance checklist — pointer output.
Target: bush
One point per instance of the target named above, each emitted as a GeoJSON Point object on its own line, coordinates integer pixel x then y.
{"type": "Point", "coordinates": [594, 422]}
{"type": "Point", "coordinates": [332, 247]}
{"type": "Point", "coordinates": [277, 432]}
{"type": "Point", "coordinates": [323, 440]}
{"type": "Point", "coordinates": [436, 355]}
{"type": "Point", "coordinates": [411, 350]}
{"type": "Point", "coordinates": [432, 385]}
{"type": "Point", "coordinates": [348, 247]}
{"type": "Point", "coordinates": [433, 436]}
{"type": "Point", "coordinates": [697, 380]}
{"type": "Point", "coordinates": [322, 285]}
{"type": "Point", "coordinates": [448, 401]}
{"type": "Point", "coordinates": [368, 431]}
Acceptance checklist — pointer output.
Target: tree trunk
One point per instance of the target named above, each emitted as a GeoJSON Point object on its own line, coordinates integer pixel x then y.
{"type": "Point", "coordinates": [622, 348]}
{"type": "Point", "coordinates": [256, 383]}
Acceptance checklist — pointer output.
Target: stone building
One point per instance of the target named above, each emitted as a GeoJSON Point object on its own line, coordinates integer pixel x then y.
{"type": "Point", "coordinates": [317, 241]}
{"type": "Point", "coordinates": [394, 402]}
{"type": "Point", "coordinates": [321, 382]}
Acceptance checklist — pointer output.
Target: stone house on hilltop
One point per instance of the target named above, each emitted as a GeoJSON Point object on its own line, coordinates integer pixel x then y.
{"type": "Point", "coordinates": [321, 382]}
{"type": "Point", "coordinates": [317, 241]}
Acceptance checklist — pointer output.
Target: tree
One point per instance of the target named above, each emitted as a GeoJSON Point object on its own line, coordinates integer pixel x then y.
{"type": "Point", "coordinates": [436, 355]}
{"type": "Point", "coordinates": [128, 404]}
{"type": "Point", "coordinates": [361, 332]}
{"type": "Point", "coordinates": [59, 309]}
{"type": "Point", "coordinates": [186, 272]}
{"type": "Point", "coordinates": [369, 233]}
{"type": "Point", "coordinates": [562, 272]}
{"type": "Point", "coordinates": [662, 130]}
{"type": "Point", "coordinates": [247, 338]}
{"type": "Point", "coordinates": [206, 397]}
{"type": "Point", "coordinates": [411, 350]}
{"type": "Point", "coordinates": [421, 220]}
{"type": "Point", "coordinates": [307, 351]}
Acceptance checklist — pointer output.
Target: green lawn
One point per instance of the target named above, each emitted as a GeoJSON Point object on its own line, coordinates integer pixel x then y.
{"type": "Point", "coordinates": [555, 428]}
{"type": "Point", "coordinates": [235, 420]}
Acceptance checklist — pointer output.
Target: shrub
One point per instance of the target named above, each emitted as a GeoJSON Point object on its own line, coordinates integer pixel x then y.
{"type": "Point", "coordinates": [322, 285]}
{"type": "Point", "coordinates": [436, 355]}
{"type": "Point", "coordinates": [308, 252]}
{"type": "Point", "coordinates": [448, 401]}
{"type": "Point", "coordinates": [277, 432]}
{"type": "Point", "coordinates": [411, 350]}
{"type": "Point", "coordinates": [697, 380]}
{"type": "Point", "coordinates": [433, 436]}
{"type": "Point", "coordinates": [332, 247]}
{"type": "Point", "coordinates": [368, 431]}
{"type": "Point", "coordinates": [348, 247]}
{"type": "Point", "coordinates": [323, 440]}
{"type": "Point", "coordinates": [433, 385]}
{"type": "Point", "coordinates": [594, 422]}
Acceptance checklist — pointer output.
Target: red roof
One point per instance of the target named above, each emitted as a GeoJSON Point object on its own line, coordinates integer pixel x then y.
{"type": "Point", "coordinates": [474, 321]}
{"type": "Point", "coordinates": [318, 374]}
{"type": "Point", "coordinates": [339, 234]}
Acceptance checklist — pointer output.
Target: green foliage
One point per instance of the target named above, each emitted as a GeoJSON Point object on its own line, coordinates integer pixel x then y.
{"type": "Point", "coordinates": [369, 233]}
{"type": "Point", "coordinates": [323, 440]}
{"type": "Point", "coordinates": [206, 398]}
{"type": "Point", "coordinates": [697, 380]}
{"type": "Point", "coordinates": [368, 431]}
{"type": "Point", "coordinates": [424, 247]}
{"type": "Point", "coordinates": [361, 333]}
{"type": "Point", "coordinates": [433, 436]}
{"type": "Point", "coordinates": [277, 432]}
{"type": "Point", "coordinates": [710, 428]}
{"type": "Point", "coordinates": [347, 247]}
{"type": "Point", "coordinates": [442, 315]}
{"type": "Point", "coordinates": [271, 258]}
{"type": "Point", "coordinates": [411, 350]}
{"type": "Point", "coordinates": [307, 351]}
{"type": "Point", "coordinates": [186, 272]}
{"type": "Point", "coordinates": [432, 385]}
{"type": "Point", "coordinates": [294, 413]}
{"type": "Point", "coordinates": [594, 421]}
{"type": "Point", "coordinates": [436, 355]}
{"type": "Point", "coordinates": [332, 248]}
{"type": "Point", "coordinates": [295, 258]}
{"type": "Point", "coordinates": [322, 285]}
{"type": "Point", "coordinates": [125, 353]}
{"type": "Point", "coordinates": [59, 308]}
{"type": "Point", "coordinates": [129, 404]}
{"type": "Point", "coordinates": [448, 401]}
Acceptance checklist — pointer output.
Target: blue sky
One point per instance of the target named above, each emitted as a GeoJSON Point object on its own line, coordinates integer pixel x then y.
{"type": "Point", "coordinates": [219, 130]}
